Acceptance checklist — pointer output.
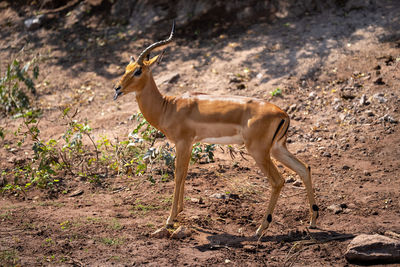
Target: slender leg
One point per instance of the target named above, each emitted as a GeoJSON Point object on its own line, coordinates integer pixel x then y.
{"type": "Point", "coordinates": [183, 150]}
{"type": "Point", "coordinates": [181, 195]}
{"type": "Point", "coordinates": [280, 152]}
{"type": "Point", "coordinates": [277, 182]}
{"type": "Point", "coordinates": [266, 165]}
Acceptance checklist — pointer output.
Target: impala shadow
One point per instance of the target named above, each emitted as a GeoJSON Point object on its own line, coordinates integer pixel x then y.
{"type": "Point", "coordinates": [224, 240]}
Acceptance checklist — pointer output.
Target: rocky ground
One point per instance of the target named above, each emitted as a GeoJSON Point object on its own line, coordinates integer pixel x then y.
{"type": "Point", "coordinates": [339, 76]}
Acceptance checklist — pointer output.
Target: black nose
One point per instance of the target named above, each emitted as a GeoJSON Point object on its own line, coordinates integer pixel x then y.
{"type": "Point", "coordinates": [117, 92]}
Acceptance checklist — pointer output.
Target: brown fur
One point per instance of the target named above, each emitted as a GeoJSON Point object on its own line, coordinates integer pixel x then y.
{"type": "Point", "coordinates": [192, 118]}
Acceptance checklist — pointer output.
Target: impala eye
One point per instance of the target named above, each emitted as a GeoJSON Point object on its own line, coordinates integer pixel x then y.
{"type": "Point", "coordinates": [137, 72]}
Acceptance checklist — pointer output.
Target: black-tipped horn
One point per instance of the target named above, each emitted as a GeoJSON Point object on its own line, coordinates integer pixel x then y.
{"type": "Point", "coordinates": [155, 45]}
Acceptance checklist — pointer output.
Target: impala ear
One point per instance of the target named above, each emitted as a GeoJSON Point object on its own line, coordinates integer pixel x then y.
{"type": "Point", "coordinates": [151, 61]}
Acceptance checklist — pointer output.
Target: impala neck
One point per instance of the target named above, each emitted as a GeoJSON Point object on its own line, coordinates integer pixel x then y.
{"type": "Point", "coordinates": [151, 102]}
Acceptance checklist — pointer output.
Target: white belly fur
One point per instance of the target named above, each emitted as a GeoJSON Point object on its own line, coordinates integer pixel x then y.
{"type": "Point", "coordinates": [224, 140]}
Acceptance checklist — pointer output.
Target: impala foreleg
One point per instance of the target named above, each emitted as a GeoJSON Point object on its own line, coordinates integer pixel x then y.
{"type": "Point", "coordinates": [183, 151]}
{"type": "Point", "coordinates": [280, 152]}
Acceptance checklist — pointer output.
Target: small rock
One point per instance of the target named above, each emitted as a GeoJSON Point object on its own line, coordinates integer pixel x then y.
{"type": "Point", "coordinates": [76, 193]}
{"type": "Point", "coordinates": [389, 118]}
{"type": "Point", "coordinates": [235, 79]}
{"type": "Point", "coordinates": [194, 200]}
{"type": "Point", "coordinates": [345, 167]}
{"type": "Point", "coordinates": [380, 98]}
{"type": "Point", "coordinates": [347, 93]}
{"type": "Point", "coordinates": [292, 108]}
{"type": "Point", "coordinates": [34, 23]}
{"type": "Point", "coordinates": [379, 81]}
{"type": "Point", "coordinates": [180, 233]}
{"type": "Point", "coordinates": [161, 233]}
{"type": "Point", "coordinates": [312, 95]}
{"type": "Point", "coordinates": [369, 249]}
{"type": "Point", "coordinates": [297, 183]}
{"type": "Point", "coordinates": [290, 180]}
{"type": "Point", "coordinates": [335, 208]}
{"type": "Point", "coordinates": [369, 113]}
{"type": "Point", "coordinates": [364, 100]}
{"type": "Point", "coordinates": [233, 196]}
{"type": "Point", "coordinates": [259, 76]}
{"type": "Point", "coordinates": [326, 154]}
{"type": "Point", "coordinates": [201, 201]}
{"type": "Point", "coordinates": [218, 196]}
{"type": "Point", "coordinates": [241, 86]}
{"type": "Point", "coordinates": [335, 101]}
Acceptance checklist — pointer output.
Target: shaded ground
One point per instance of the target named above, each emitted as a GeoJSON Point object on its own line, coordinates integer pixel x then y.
{"type": "Point", "coordinates": [323, 63]}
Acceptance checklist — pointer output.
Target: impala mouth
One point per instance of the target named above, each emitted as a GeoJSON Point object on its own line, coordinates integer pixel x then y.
{"type": "Point", "coordinates": [117, 92]}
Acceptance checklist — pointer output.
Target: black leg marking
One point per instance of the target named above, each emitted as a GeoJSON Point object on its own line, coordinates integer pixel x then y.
{"type": "Point", "coordinates": [315, 208]}
{"type": "Point", "coordinates": [269, 218]}
{"type": "Point", "coordinates": [309, 168]}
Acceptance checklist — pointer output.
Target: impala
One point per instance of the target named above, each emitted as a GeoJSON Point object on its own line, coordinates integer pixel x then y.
{"type": "Point", "coordinates": [259, 125]}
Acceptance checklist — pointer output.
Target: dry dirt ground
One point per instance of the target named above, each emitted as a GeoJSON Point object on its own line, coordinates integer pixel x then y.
{"type": "Point", "coordinates": [323, 63]}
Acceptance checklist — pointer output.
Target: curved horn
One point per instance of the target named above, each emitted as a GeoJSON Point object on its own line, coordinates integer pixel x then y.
{"type": "Point", "coordinates": [155, 45]}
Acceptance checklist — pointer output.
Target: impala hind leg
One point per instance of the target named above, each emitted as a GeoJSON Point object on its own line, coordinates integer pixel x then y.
{"type": "Point", "coordinates": [266, 165]}
{"type": "Point", "coordinates": [183, 151]}
{"type": "Point", "coordinates": [281, 153]}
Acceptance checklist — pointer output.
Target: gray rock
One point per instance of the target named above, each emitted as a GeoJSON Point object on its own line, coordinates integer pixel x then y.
{"type": "Point", "coordinates": [380, 98]}
{"type": "Point", "coordinates": [389, 118]}
{"type": "Point", "coordinates": [364, 100]}
{"type": "Point", "coordinates": [218, 196]}
{"type": "Point", "coordinates": [34, 22]}
{"type": "Point", "coordinates": [369, 249]}
{"type": "Point", "coordinates": [335, 208]}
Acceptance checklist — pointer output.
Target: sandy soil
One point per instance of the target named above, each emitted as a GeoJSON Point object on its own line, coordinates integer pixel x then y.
{"type": "Point", "coordinates": [323, 63]}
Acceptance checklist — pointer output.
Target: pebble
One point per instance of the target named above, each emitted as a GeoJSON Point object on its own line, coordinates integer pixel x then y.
{"type": "Point", "coordinates": [292, 108]}
{"type": "Point", "coordinates": [369, 113]}
{"type": "Point", "coordinates": [312, 95]}
{"type": "Point", "coordinates": [389, 118]}
{"type": "Point", "coordinates": [335, 208]}
{"type": "Point", "coordinates": [218, 196]}
{"type": "Point", "coordinates": [297, 183]}
{"type": "Point", "coordinates": [290, 180]}
{"type": "Point", "coordinates": [76, 193]}
{"type": "Point", "coordinates": [326, 154]}
{"type": "Point", "coordinates": [380, 97]}
{"type": "Point", "coordinates": [34, 23]}
{"type": "Point", "coordinates": [345, 167]}
{"type": "Point", "coordinates": [364, 100]}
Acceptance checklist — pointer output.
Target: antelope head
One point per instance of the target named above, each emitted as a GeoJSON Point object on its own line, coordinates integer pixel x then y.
{"type": "Point", "coordinates": [137, 72]}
